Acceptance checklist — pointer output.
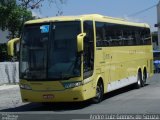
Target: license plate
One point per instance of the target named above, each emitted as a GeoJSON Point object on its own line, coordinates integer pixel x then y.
{"type": "Point", "coordinates": [48, 96]}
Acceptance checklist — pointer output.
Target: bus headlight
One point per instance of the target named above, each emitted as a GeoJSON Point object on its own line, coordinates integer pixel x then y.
{"type": "Point", "coordinates": [72, 85]}
{"type": "Point", "coordinates": [24, 86]}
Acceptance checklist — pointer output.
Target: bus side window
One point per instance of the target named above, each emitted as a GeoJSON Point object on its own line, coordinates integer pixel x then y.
{"type": "Point", "coordinates": [100, 34]}
{"type": "Point", "coordinates": [114, 34]}
{"type": "Point", "coordinates": [137, 37]}
{"type": "Point", "coordinates": [88, 49]}
{"type": "Point", "coordinates": [146, 35]}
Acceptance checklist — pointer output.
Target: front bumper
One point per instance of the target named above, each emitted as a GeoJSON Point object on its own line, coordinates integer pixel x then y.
{"type": "Point", "coordinates": [80, 93]}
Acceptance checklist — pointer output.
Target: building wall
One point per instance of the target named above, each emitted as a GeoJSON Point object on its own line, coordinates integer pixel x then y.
{"type": "Point", "coordinates": [3, 35]}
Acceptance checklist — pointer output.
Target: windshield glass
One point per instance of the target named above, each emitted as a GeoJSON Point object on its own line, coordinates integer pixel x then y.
{"type": "Point", "coordinates": [49, 51]}
{"type": "Point", "coordinates": [63, 60]}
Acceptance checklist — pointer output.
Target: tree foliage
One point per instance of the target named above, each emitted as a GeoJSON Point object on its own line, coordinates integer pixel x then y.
{"type": "Point", "coordinates": [15, 12]}
{"type": "Point", "coordinates": [35, 4]}
{"type": "Point", "coordinates": [12, 17]}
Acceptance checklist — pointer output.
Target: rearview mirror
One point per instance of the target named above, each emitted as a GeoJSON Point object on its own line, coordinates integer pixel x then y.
{"type": "Point", "coordinates": [10, 46]}
{"type": "Point", "coordinates": [80, 41]}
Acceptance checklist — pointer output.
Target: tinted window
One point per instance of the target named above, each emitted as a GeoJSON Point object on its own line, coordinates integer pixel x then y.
{"type": "Point", "coordinates": [109, 34]}
{"type": "Point", "coordinates": [88, 49]}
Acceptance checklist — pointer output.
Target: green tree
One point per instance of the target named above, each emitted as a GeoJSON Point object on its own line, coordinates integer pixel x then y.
{"type": "Point", "coordinates": [15, 12]}
{"type": "Point", "coordinates": [12, 17]}
{"type": "Point", "coordinates": [16, 20]}
{"type": "Point", "coordinates": [37, 4]}
{"type": "Point", "coordinates": [5, 9]}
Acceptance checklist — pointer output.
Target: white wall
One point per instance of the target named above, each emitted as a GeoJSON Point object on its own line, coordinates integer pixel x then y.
{"type": "Point", "coordinates": [9, 72]}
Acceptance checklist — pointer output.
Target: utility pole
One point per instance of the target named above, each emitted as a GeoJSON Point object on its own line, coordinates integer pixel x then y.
{"type": "Point", "coordinates": [158, 23]}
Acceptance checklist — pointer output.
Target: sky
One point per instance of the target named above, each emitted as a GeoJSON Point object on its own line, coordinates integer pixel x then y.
{"type": "Point", "coordinates": [113, 8]}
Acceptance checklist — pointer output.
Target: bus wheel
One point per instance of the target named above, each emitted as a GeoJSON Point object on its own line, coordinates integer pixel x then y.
{"type": "Point", "coordinates": [144, 79]}
{"type": "Point", "coordinates": [139, 81]}
{"type": "Point", "coordinates": [99, 93]}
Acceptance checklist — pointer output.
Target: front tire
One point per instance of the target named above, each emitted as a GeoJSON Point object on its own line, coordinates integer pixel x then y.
{"type": "Point", "coordinates": [99, 93]}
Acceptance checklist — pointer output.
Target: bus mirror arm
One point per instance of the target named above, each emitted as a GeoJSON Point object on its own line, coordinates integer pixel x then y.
{"type": "Point", "coordinates": [80, 42]}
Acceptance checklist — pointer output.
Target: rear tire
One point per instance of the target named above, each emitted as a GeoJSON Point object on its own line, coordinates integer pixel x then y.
{"type": "Point", "coordinates": [99, 93]}
{"type": "Point", "coordinates": [139, 81]}
{"type": "Point", "coordinates": [144, 79]}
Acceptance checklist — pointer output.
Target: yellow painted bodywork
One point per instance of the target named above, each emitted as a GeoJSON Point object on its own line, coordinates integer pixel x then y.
{"type": "Point", "coordinates": [10, 46]}
{"type": "Point", "coordinates": [55, 88]}
{"type": "Point", "coordinates": [110, 63]}
{"type": "Point", "coordinates": [80, 40]}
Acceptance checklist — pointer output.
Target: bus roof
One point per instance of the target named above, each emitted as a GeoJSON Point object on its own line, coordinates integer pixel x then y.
{"type": "Point", "coordinates": [96, 17]}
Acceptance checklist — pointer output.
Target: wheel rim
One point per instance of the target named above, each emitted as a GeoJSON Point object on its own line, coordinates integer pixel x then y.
{"type": "Point", "coordinates": [139, 82]}
{"type": "Point", "coordinates": [99, 92]}
{"type": "Point", "coordinates": [144, 78]}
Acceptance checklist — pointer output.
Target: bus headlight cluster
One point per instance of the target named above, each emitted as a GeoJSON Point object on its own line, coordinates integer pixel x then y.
{"type": "Point", "coordinates": [25, 86]}
{"type": "Point", "coordinates": [72, 85]}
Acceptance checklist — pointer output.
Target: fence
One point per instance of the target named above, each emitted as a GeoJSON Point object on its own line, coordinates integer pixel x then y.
{"type": "Point", "coordinates": [9, 72]}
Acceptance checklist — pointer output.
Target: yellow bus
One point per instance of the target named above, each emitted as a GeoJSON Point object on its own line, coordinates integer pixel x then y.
{"type": "Point", "coordinates": [76, 58]}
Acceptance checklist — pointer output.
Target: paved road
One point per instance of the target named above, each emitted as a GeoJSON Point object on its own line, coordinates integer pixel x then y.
{"type": "Point", "coordinates": [127, 100]}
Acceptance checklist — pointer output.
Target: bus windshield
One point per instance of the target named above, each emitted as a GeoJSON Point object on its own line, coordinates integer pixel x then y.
{"type": "Point", "coordinates": [49, 51]}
